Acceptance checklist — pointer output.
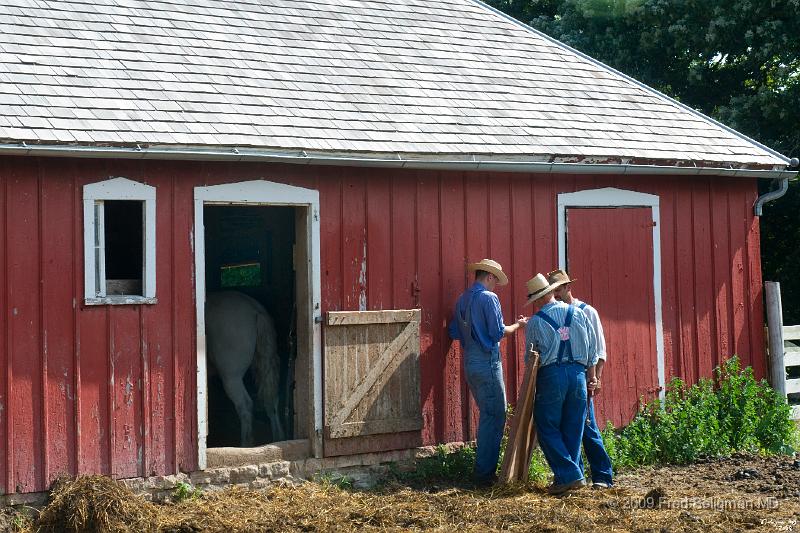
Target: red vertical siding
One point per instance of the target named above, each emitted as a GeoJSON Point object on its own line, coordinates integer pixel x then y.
{"type": "Point", "coordinates": [476, 217]}
{"type": "Point", "coordinates": [354, 240]}
{"type": "Point", "coordinates": [502, 249]}
{"type": "Point", "coordinates": [184, 321]}
{"type": "Point", "coordinates": [703, 279]}
{"type": "Point", "coordinates": [330, 192]}
{"type": "Point", "coordinates": [5, 340]}
{"type": "Point", "coordinates": [720, 250]}
{"type": "Point", "coordinates": [452, 265]}
{"type": "Point", "coordinates": [112, 390]}
{"type": "Point", "coordinates": [159, 439]}
{"type": "Point", "coordinates": [26, 398]}
{"type": "Point", "coordinates": [522, 248]}
{"type": "Point", "coordinates": [433, 331]}
{"type": "Point", "coordinates": [58, 217]}
{"type": "Point", "coordinates": [378, 238]}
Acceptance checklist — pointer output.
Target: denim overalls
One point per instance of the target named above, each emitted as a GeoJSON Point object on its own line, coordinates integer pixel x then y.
{"type": "Point", "coordinates": [484, 372]}
{"type": "Point", "coordinates": [560, 410]}
{"type": "Point", "coordinates": [599, 461]}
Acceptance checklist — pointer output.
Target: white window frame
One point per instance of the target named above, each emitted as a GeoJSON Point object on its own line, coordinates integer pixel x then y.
{"type": "Point", "coordinates": [94, 194]}
{"type": "Point", "coordinates": [613, 197]}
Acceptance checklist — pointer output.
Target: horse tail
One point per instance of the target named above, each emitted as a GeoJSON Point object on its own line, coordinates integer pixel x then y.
{"type": "Point", "coordinates": [266, 367]}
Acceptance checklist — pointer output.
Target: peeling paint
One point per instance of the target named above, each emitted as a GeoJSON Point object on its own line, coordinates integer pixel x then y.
{"type": "Point", "coordinates": [128, 390]}
{"type": "Point", "coordinates": [127, 440]}
{"type": "Point", "coordinates": [362, 278]}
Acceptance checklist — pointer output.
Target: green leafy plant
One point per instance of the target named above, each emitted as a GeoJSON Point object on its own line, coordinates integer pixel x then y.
{"type": "Point", "coordinates": [185, 491]}
{"type": "Point", "coordinates": [539, 472]}
{"type": "Point", "coordinates": [733, 412]}
{"type": "Point", "coordinates": [456, 465]}
{"type": "Point", "coordinates": [335, 480]}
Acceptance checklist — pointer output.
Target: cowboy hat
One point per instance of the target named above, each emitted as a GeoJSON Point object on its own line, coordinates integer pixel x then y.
{"type": "Point", "coordinates": [492, 267]}
{"type": "Point", "coordinates": [538, 286]}
{"type": "Point", "coordinates": [559, 276]}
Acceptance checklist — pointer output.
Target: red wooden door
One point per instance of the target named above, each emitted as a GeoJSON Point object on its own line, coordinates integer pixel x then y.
{"type": "Point", "coordinates": [610, 253]}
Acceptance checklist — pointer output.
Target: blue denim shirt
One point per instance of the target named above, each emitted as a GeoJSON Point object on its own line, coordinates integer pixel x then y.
{"type": "Point", "coordinates": [487, 318]}
{"type": "Point", "coordinates": [546, 340]}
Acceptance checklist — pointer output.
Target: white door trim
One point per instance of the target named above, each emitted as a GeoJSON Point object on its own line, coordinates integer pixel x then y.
{"type": "Point", "coordinates": [257, 192]}
{"type": "Point", "coordinates": [612, 197]}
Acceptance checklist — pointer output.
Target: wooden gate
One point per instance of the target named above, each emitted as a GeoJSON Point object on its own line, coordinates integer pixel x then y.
{"type": "Point", "coordinates": [610, 254]}
{"type": "Point", "coordinates": [372, 391]}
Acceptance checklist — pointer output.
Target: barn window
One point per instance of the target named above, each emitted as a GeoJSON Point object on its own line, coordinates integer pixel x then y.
{"type": "Point", "coordinates": [119, 242]}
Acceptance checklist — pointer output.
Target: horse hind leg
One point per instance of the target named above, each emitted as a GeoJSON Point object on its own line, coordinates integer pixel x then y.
{"type": "Point", "coordinates": [276, 426]}
{"type": "Point", "coordinates": [234, 388]}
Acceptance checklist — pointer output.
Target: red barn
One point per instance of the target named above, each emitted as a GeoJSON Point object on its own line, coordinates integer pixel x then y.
{"type": "Point", "coordinates": [339, 162]}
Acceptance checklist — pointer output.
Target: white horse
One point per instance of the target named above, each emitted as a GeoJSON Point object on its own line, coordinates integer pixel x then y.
{"type": "Point", "coordinates": [240, 334]}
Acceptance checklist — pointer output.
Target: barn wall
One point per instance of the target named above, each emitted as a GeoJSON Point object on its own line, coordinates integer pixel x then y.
{"type": "Point", "coordinates": [111, 389]}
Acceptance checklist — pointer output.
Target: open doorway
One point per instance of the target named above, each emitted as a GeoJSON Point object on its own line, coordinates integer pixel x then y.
{"type": "Point", "coordinates": [259, 241]}
{"type": "Point", "coordinates": [250, 250]}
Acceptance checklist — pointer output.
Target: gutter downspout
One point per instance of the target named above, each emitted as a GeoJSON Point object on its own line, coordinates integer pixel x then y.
{"type": "Point", "coordinates": [783, 186]}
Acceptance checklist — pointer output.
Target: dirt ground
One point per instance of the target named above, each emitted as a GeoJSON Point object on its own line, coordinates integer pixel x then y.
{"type": "Point", "coordinates": [740, 493]}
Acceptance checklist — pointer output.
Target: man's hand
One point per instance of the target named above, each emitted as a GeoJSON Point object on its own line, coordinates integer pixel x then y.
{"type": "Point", "coordinates": [592, 386]}
{"type": "Point", "coordinates": [520, 323]}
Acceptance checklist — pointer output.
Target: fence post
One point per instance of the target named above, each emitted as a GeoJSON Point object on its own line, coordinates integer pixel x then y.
{"type": "Point", "coordinates": [777, 369]}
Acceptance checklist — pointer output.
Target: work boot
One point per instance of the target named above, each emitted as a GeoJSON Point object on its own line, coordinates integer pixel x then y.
{"type": "Point", "coordinates": [561, 488]}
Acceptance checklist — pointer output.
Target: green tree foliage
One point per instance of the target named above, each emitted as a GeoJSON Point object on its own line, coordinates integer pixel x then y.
{"type": "Point", "coordinates": [737, 61]}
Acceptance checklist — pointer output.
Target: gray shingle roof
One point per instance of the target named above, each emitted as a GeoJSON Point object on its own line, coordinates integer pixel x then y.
{"type": "Point", "coordinates": [431, 78]}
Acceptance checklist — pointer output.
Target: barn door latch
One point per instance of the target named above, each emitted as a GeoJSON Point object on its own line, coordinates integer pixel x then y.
{"type": "Point", "coordinates": [415, 291]}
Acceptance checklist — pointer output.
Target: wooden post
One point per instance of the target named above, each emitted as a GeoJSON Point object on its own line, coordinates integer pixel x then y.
{"type": "Point", "coordinates": [777, 368]}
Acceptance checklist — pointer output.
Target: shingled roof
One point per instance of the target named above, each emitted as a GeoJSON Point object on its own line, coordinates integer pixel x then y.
{"type": "Point", "coordinates": [444, 80]}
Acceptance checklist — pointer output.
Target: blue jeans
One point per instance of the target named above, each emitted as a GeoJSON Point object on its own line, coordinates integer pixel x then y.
{"type": "Point", "coordinates": [484, 372]}
{"type": "Point", "coordinates": [599, 461]}
{"type": "Point", "coordinates": [560, 414]}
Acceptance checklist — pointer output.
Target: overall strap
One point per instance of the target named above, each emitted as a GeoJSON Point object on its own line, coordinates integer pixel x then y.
{"type": "Point", "coordinates": [582, 306]}
{"type": "Point", "coordinates": [465, 322]}
{"type": "Point", "coordinates": [566, 348]}
{"type": "Point", "coordinates": [547, 318]}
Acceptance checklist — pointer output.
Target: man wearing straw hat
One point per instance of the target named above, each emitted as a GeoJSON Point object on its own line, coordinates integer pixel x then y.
{"type": "Point", "coordinates": [478, 324]}
{"type": "Point", "coordinates": [567, 348]}
{"type": "Point", "coordinates": [599, 461]}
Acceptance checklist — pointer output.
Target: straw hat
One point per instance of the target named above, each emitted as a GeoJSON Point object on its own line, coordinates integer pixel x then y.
{"type": "Point", "coordinates": [539, 286]}
{"type": "Point", "coordinates": [559, 276]}
{"type": "Point", "coordinates": [493, 267]}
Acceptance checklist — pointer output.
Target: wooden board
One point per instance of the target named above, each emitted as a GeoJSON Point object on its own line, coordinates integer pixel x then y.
{"type": "Point", "coordinates": [372, 373]}
{"type": "Point", "coordinates": [522, 435]}
{"type": "Point", "coordinates": [791, 333]}
{"type": "Point", "coordinates": [792, 386]}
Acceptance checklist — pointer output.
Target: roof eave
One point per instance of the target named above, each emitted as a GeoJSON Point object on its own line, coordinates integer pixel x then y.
{"type": "Point", "coordinates": [460, 162]}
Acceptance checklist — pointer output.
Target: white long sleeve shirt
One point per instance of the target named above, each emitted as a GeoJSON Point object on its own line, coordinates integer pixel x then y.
{"type": "Point", "coordinates": [594, 320]}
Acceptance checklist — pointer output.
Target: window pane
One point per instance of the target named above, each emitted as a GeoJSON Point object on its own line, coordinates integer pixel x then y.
{"type": "Point", "coordinates": [244, 275]}
{"type": "Point", "coordinates": [124, 240]}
